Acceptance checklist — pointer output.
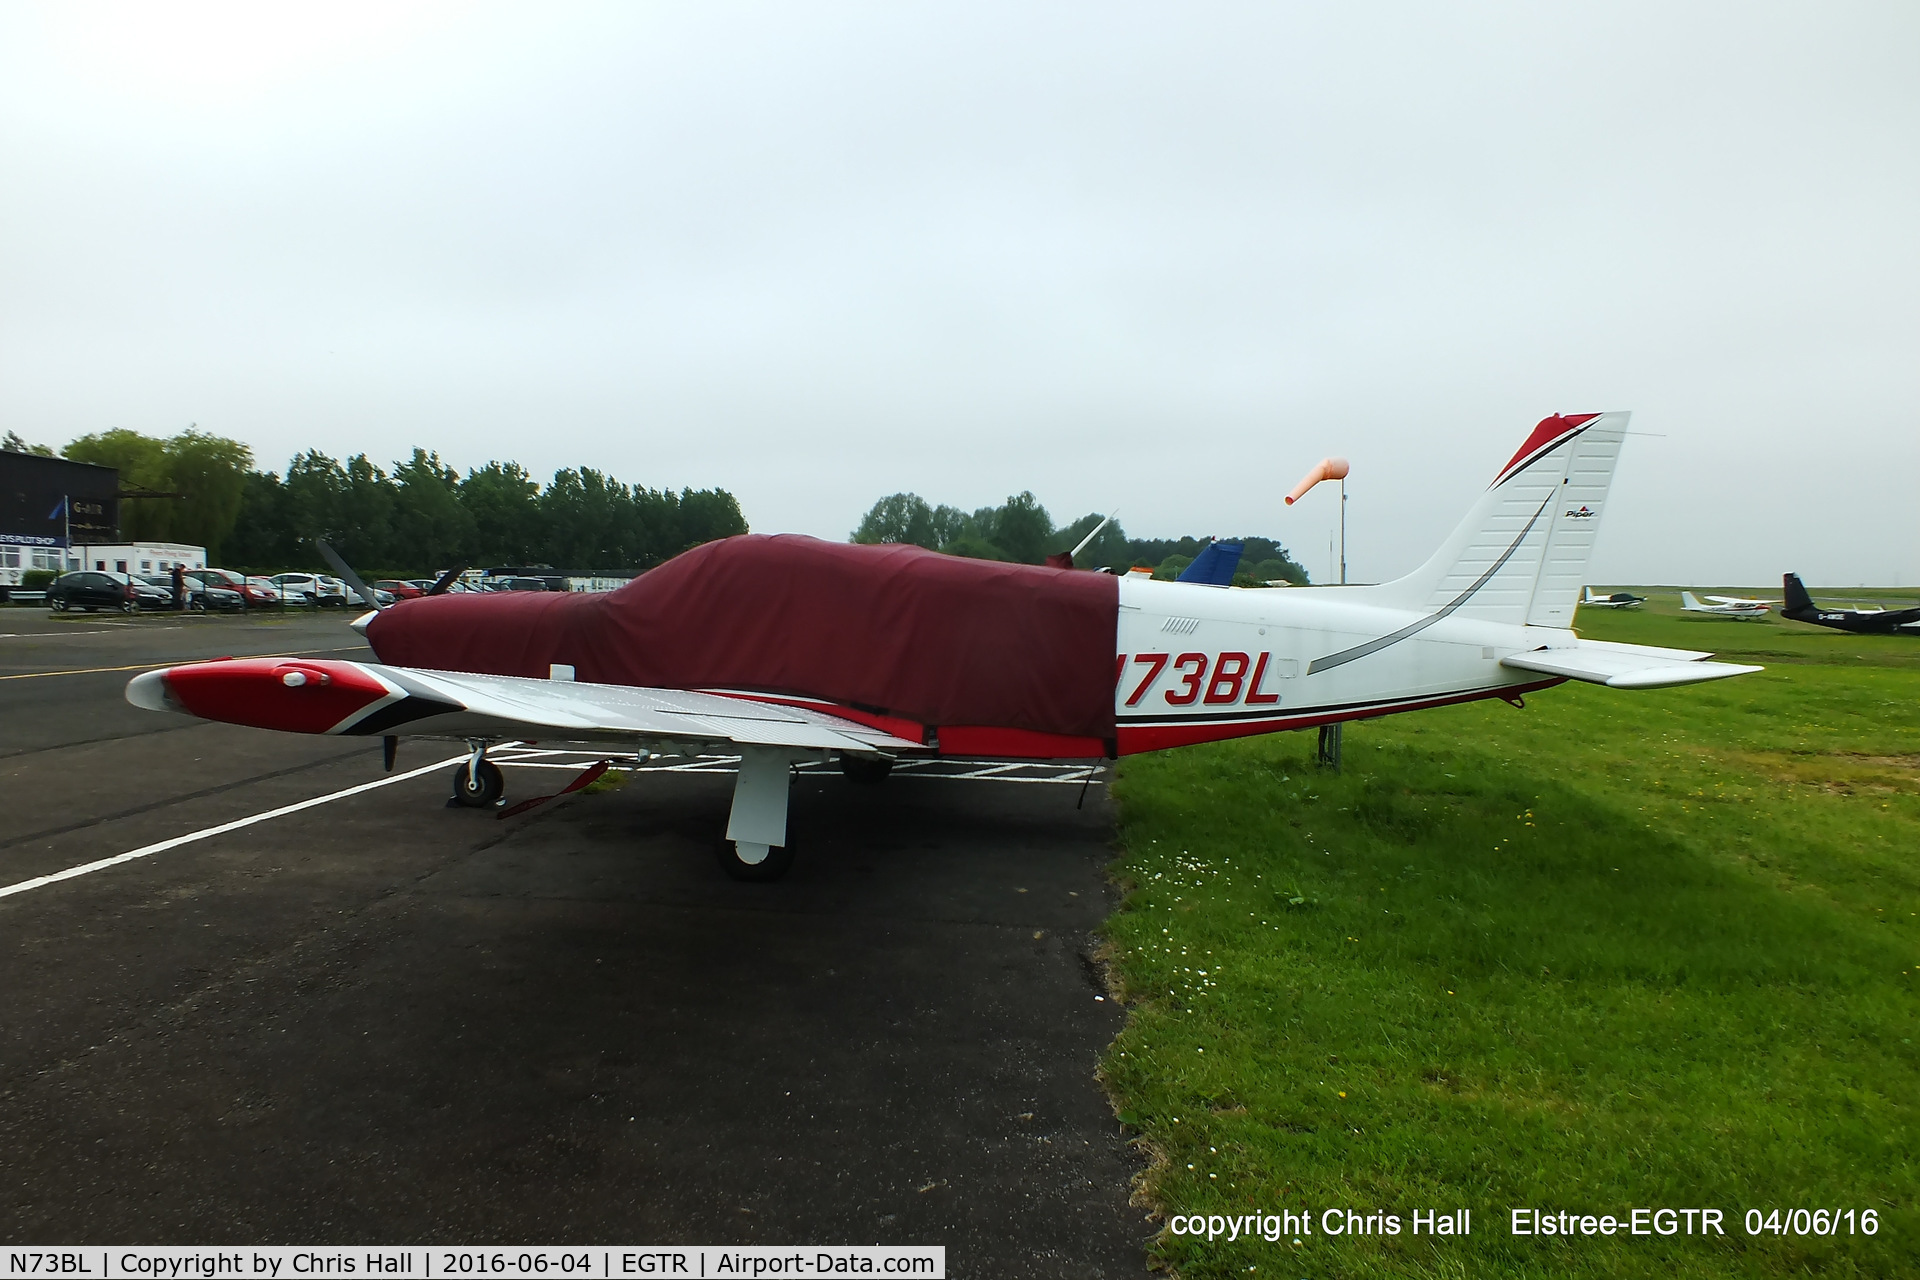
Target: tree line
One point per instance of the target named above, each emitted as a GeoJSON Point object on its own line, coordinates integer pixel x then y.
{"type": "Point", "coordinates": [1021, 532]}
{"type": "Point", "coordinates": [415, 517]}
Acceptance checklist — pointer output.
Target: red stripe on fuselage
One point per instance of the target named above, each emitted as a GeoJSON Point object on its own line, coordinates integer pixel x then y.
{"type": "Point", "coordinates": [1135, 739]}
{"type": "Point", "coordinates": [1017, 744]}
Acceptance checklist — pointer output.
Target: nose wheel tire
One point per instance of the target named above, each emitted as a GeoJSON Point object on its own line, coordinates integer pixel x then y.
{"type": "Point", "coordinates": [482, 792]}
{"type": "Point", "coordinates": [775, 862]}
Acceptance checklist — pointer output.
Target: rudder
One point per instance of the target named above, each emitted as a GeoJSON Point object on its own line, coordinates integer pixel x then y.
{"type": "Point", "coordinates": [1521, 554]}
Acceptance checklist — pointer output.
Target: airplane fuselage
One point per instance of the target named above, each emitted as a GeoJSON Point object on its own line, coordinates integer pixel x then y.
{"type": "Point", "coordinates": [1862, 621]}
{"type": "Point", "coordinates": [1198, 663]}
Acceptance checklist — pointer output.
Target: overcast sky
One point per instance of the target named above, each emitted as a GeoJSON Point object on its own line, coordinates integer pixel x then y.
{"type": "Point", "coordinates": [1160, 256]}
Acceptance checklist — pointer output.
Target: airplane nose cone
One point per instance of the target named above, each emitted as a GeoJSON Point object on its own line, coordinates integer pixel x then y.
{"type": "Point", "coordinates": [149, 692]}
{"type": "Point", "coordinates": [361, 623]}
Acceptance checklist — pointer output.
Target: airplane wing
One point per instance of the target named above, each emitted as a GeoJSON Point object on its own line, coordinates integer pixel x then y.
{"type": "Point", "coordinates": [364, 699]}
{"type": "Point", "coordinates": [1625, 666]}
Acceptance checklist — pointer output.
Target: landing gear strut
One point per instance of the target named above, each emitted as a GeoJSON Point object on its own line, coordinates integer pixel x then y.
{"type": "Point", "coordinates": [478, 784]}
{"type": "Point", "coordinates": [755, 847]}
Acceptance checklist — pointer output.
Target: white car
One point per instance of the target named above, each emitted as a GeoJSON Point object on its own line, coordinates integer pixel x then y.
{"type": "Point", "coordinates": [329, 593]}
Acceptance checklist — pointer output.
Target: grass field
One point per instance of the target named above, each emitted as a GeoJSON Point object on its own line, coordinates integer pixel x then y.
{"type": "Point", "coordinates": [1614, 951]}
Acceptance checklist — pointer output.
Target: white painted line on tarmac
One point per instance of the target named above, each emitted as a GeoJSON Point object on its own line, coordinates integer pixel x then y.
{"type": "Point", "coordinates": [164, 845]}
{"type": "Point", "coordinates": [177, 662]}
{"type": "Point", "coordinates": [59, 635]}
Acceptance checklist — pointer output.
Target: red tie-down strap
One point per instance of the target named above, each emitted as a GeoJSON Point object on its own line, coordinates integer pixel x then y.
{"type": "Point", "coordinates": [586, 778]}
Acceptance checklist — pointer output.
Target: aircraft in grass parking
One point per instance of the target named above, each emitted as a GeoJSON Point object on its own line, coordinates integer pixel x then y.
{"type": "Point", "coordinates": [1723, 606]}
{"type": "Point", "coordinates": [785, 648]}
{"type": "Point", "coordinates": [1618, 600]}
{"type": "Point", "coordinates": [1801, 608]}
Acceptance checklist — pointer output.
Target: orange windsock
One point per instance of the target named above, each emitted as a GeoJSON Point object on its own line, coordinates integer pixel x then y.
{"type": "Point", "coordinates": [1329, 469]}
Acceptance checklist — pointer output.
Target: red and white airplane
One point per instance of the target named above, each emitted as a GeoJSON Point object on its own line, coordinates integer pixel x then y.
{"type": "Point", "coordinates": [787, 648]}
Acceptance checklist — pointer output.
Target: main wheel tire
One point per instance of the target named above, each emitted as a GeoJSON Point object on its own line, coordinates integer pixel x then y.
{"type": "Point", "coordinates": [58, 604]}
{"type": "Point", "coordinates": [777, 863]}
{"type": "Point", "coordinates": [868, 771]}
{"type": "Point", "coordinates": [491, 785]}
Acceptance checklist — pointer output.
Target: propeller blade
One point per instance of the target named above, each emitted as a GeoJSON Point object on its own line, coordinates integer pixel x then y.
{"type": "Point", "coordinates": [1095, 533]}
{"type": "Point", "coordinates": [446, 580]}
{"type": "Point", "coordinates": [346, 572]}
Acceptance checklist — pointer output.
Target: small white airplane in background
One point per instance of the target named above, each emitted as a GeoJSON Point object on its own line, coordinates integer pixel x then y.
{"type": "Point", "coordinates": [1740, 600]}
{"type": "Point", "coordinates": [1723, 606]}
{"type": "Point", "coordinates": [1618, 600]}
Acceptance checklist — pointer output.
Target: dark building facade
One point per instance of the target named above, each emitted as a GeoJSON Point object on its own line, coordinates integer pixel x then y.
{"type": "Point", "coordinates": [50, 504]}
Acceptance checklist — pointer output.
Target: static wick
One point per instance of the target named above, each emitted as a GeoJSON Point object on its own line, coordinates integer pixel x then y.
{"type": "Point", "coordinates": [1328, 469]}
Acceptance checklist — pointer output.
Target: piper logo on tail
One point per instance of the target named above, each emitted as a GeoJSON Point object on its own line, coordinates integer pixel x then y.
{"type": "Point", "coordinates": [1584, 513]}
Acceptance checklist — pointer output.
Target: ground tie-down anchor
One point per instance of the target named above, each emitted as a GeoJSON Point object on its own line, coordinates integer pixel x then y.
{"type": "Point", "coordinates": [1328, 756]}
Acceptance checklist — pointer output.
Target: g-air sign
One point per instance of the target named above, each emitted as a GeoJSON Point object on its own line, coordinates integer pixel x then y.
{"type": "Point", "coordinates": [51, 502]}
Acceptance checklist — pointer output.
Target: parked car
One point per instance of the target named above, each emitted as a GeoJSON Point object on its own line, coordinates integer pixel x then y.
{"type": "Point", "coordinates": [281, 594]}
{"type": "Point", "coordinates": [256, 592]}
{"type": "Point", "coordinates": [517, 584]}
{"type": "Point", "coordinates": [399, 589]}
{"type": "Point", "coordinates": [200, 597]}
{"type": "Point", "coordinates": [348, 596]}
{"type": "Point", "coordinates": [96, 589]}
{"type": "Point", "coordinates": [328, 593]}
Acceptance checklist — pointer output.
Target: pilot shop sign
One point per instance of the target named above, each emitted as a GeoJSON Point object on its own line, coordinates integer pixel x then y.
{"type": "Point", "coordinates": [546, 1262]}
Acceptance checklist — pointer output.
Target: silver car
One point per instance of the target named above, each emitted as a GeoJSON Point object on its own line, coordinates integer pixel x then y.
{"type": "Point", "coordinates": [286, 596]}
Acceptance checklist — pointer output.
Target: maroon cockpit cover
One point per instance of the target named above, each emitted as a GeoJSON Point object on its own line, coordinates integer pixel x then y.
{"type": "Point", "coordinates": [933, 638]}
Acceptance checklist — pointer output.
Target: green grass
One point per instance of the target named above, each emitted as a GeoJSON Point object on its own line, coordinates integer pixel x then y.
{"type": "Point", "coordinates": [1616, 950]}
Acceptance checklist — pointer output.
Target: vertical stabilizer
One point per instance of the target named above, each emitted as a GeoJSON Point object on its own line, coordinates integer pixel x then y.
{"type": "Point", "coordinates": [1799, 604]}
{"type": "Point", "coordinates": [1521, 554]}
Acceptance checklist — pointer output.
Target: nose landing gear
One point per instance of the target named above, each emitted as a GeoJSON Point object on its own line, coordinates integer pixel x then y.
{"type": "Point", "coordinates": [478, 784]}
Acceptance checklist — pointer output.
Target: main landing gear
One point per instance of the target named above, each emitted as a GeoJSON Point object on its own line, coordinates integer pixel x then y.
{"type": "Point", "coordinates": [478, 784]}
{"type": "Point", "coordinates": [755, 847]}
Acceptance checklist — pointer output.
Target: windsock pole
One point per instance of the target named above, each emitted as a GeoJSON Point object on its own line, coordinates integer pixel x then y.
{"type": "Point", "coordinates": [1329, 753]}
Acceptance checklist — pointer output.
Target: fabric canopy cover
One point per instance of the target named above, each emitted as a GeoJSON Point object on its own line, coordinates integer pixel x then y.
{"type": "Point", "coordinates": [932, 638]}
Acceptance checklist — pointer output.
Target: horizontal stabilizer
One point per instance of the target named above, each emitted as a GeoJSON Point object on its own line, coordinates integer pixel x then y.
{"type": "Point", "coordinates": [1625, 666]}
